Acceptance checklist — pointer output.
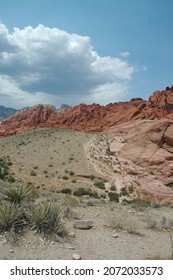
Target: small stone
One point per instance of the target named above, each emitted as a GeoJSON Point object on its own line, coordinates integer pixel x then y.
{"type": "Point", "coordinates": [11, 251]}
{"type": "Point", "coordinates": [115, 235]}
{"type": "Point", "coordinates": [71, 234]}
{"type": "Point", "coordinates": [76, 257]}
{"type": "Point", "coordinates": [70, 247]}
{"type": "Point", "coordinates": [83, 224]}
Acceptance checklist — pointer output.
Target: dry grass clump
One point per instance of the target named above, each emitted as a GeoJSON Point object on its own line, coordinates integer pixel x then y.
{"type": "Point", "coordinates": [125, 223]}
{"type": "Point", "coordinates": [163, 223]}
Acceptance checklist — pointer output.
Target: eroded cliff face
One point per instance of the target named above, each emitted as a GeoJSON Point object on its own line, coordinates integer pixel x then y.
{"type": "Point", "coordinates": [147, 151]}
{"type": "Point", "coordinates": [91, 118]}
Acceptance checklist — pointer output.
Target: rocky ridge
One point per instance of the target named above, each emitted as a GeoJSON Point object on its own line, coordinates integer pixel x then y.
{"type": "Point", "coordinates": [91, 118]}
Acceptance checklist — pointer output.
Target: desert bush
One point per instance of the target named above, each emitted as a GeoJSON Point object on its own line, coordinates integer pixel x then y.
{"type": "Point", "coordinates": [131, 188]}
{"type": "Point", "coordinates": [113, 188]}
{"type": "Point", "coordinates": [82, 191]}
{"type": "Point", "coordinates": [71, 158]}
{"type": "Point", "coordinates": [152, 224]}
{"type": "Point", "coordinates": [65, 178]}
{"type": "Point", "coordinates": [141, 203]}
{"type": "Point", "coordinates": [71, 173]}
{"type": "Point", "coordinates": [66, 191]}
{"type": "Point", "coordinates": [11, 219]}
{"type": "Point", "coordinates": [4, 169]}
{"type": "Point", "coordinates": [33, 173]}
{"type": "Point", "coordinates": [74, 181]}
{"type": "Point", "coordinates": [113, 196]}
{"type": "Point", "coordinates": [109, 152]}
{"type": "Point", "coordinates": [46, 219]}
{"type": "Point", "coordinates": [19, 194]}
{"type": "Point", "coordinates": [11, 179]}
{"type": "Point", "coordinates": [9, 163]}
{"type": "Point", "coordinates": [166, 223]}
{"type": "Point", "coordinates": [124, 192]}
{"type": "Point", "coordinates": [92, 177]}
{"type": "Point", "coordinates": [129, 224]}
{"type": "Point", "coordinates": [99, 185]}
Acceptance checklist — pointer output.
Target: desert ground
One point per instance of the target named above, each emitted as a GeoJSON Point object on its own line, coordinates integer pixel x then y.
{"type": "Point", "coordinates": [54, 160]}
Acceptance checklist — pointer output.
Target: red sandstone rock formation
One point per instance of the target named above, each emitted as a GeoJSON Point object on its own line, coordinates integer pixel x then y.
{"type": "Point", "coordinates": [148, 144]}
{"type": "Point", "coordinates": [91, 118]}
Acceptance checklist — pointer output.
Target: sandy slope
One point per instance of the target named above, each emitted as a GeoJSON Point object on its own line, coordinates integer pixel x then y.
{"type": "Point", "coordinates": [51, 150]}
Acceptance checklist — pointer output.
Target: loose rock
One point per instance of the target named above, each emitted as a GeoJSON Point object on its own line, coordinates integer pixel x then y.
{"type": "Point", "coordinates": [71, 234]}
{"type": "Point", "coordinates": [76, 256]}
{"type": "Point", "coordinates": [11, 251]}
{"type": "Point", "coordinates": [115, 235]}
{"type": "Point", "coordinates": [83, 224]}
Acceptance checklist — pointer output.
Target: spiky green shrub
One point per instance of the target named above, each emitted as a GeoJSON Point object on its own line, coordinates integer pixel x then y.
{"type": "Point", "coordinates": [19, 194]}
{"type": "Point", "coordinates": [46, 219]}
{"type": "Point", "coordinates": [11, 218]}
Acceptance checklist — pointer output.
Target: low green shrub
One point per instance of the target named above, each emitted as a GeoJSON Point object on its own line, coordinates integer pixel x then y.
{"type": "Point", "coordinates": [82, 191]}
{"type": "Point", "coordinates": [99, 185]}
{"type": "Point", "coordinates": [11, 179]}
{"type": "Point", "coordinates": [66, 191]}
{"type": "Point", "coordinates": [124, 192]}
{"type": "Point", "coordinates": [65, 178]}
{"type": "Point", "coordinates": [113, 196]}
{"type": "Point", "coordinates": [92, 177]}
{"type": "Point", "coordinates": [33, 173]}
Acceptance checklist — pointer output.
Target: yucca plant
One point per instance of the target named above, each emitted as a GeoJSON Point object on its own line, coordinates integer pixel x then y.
{"type": "Point", "coordinates": [11, 219]}
{"type": "Point", "coordinates": [46, 219]}
{"type": "Point", "coordinates": [18, 194]}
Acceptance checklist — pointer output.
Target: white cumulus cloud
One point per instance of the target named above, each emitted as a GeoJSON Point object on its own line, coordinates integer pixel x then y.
{"type": "Point", "coordinates": [49, 65]}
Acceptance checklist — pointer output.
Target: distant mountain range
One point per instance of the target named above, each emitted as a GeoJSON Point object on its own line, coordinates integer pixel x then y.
{"type": "Point", "coordinates": [6, 112]}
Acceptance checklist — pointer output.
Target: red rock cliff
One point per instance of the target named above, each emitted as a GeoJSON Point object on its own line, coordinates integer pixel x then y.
{"type": "Point", "coordinates": [91, 118]}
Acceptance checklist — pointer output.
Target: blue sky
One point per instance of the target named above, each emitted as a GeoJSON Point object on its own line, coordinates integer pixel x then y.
{"type": "Point", "coordinates": [73, 51]}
